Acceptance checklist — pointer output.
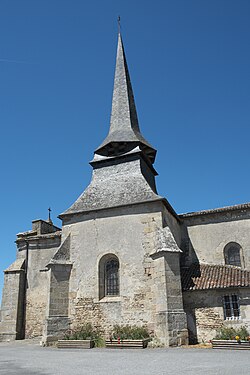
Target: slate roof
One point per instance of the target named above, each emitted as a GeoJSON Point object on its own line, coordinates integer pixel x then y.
{"type": "Point", "coordinates": [206, 276]}
{"type": "Point", "coordinates": [124, 126]}
{"type": "Point", "coordinates": [243, 206]}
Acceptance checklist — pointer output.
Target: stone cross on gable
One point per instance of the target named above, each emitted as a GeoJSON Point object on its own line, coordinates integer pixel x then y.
{"type": "Point", "coordinates": [49, 219]}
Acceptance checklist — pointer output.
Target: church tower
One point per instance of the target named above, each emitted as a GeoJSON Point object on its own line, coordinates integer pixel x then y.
{"type": "Point", "coordinates": [119, 258]}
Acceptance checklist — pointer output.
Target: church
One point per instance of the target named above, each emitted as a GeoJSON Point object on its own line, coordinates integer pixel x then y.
{"type": "Point", "coordinates": [124, 256]}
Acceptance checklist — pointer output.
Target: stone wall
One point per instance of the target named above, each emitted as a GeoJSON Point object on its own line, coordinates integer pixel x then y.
{"type": "Point", "coordinates": [210, 233]}
{"type": "Point", "coordinates": [59, 290]}
{"type": "Point", "coordinates": [36, 305]}
{"type": "Point", "coordinates": [57, 321]}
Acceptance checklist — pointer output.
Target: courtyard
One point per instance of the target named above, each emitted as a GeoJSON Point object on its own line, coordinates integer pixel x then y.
{"type": "Point", "coordinates": [24, 358]}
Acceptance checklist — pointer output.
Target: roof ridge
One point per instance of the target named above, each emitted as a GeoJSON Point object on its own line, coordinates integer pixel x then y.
{"type": "Point", "coordinates": [215, 210]}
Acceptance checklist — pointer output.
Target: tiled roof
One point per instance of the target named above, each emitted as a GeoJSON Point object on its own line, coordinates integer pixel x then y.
{"type": "Point", "coordinates": [237, 207]}
{"type": "Point", "coordinates": [206, 276]}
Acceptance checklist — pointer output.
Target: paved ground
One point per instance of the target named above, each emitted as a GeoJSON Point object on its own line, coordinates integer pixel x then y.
{"type": "Point", "coordinates": [29, 359]}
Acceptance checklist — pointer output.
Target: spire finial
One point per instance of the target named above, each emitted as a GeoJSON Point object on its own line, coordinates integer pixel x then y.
{"type": "Point", "coordinates": [49, 219]}
{"type": "Point", "coordinates": [119, 24]}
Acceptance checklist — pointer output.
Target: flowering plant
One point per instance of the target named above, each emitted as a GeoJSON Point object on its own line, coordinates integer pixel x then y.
{"type": "Point", "coordinates": [232, 333]}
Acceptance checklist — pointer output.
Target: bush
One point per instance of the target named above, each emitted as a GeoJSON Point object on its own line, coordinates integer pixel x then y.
{"type": "Point", "coordinates": [85, 332]}
{"type": "Point", "coordinates": [130, 332]}
{"type": "Point", "coordinates": [229, 333]}
{"type": "Point", "coordinates": [99, 342]}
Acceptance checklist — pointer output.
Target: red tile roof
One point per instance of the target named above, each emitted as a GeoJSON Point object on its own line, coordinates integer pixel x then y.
{"type": "Point", "coordinates": [206, 276]}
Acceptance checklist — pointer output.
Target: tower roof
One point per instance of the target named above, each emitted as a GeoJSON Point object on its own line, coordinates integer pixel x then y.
{"type": "Point", "coordinates": [124, 132]}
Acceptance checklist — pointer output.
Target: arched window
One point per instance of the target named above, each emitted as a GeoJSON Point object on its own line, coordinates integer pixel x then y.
{"type": "Point", "coordinates": [109, 276]}
{"type": "Point", "coordinates": [232, 254]}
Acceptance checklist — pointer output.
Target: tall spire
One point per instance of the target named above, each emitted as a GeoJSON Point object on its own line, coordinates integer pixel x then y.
{"type": "Point", "coordinates": [124, 133]}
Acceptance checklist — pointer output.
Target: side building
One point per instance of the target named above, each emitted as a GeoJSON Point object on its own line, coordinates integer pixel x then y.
{"type": "Point", "coordinates": [216, 270]}
{"type": "Point", "coordinates": [124, 256]}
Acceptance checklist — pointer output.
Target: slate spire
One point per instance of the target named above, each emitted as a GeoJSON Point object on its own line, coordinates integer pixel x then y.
{"type": "Point", "coordinates": [124, 132]}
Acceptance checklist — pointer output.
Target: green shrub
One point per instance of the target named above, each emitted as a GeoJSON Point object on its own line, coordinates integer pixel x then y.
{"type": "Point", "coordinates": [229, 333]}
{"type": "Point", "coordinates": [85, 332]}
{"type": "Point", "coordinates": [129, 332]}
{"type": "Point", "coordinates": [99, 342]}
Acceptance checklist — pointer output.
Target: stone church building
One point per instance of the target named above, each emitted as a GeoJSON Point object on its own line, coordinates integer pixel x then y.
{"type": "Point", "coordinates": [124, 256]}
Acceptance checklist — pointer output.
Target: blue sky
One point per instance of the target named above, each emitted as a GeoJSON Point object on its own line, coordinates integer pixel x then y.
{"type": "Point", "coordinates": [189, 64]}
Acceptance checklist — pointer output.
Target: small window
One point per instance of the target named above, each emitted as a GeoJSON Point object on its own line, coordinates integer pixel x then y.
{"type": "Point", "coordinates": [231, 307]}
{"type": "Point", "coordinates": [109, 284]}
{"type": "Point", "coordinates": [232, 253]}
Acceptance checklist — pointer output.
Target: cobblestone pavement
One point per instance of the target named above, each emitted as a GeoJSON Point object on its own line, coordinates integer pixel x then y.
{"type": "Point", "coordinates": [29, 359]}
